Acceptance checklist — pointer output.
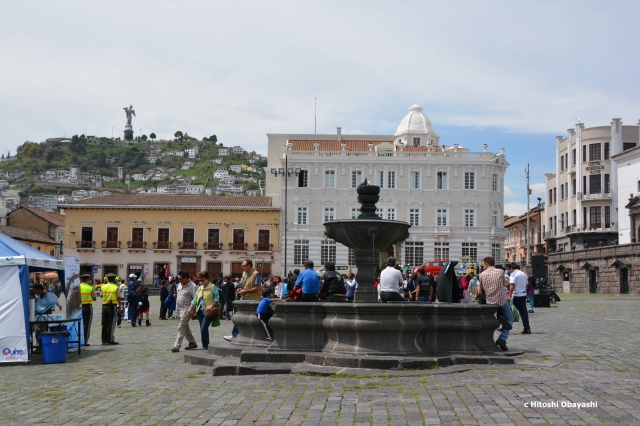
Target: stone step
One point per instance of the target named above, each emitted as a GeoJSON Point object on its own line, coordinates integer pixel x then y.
{"type": "Point", "coordinates": [199, 358]}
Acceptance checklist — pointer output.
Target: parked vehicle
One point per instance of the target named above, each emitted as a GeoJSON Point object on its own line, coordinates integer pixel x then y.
{"type": "Point", "coordinates": [433, 266]}
{"type": "Point", "coordinates": [344, 270]}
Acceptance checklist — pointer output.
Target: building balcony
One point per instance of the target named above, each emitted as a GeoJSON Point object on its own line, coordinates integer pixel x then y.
{"type": "Point", "coordinates": [442, 230]}
{"type": "Point", "coordinates": [211, 246]}
{"type": "Point", "coordinates": [162, 245]}
{"type": "Point", "coordinates": [263, 247]}
{"type": "Point", "coordinates": [187, 246]}
{"type": "Point", "coordinates": [595, 196]}
{"type": "Point", "coordinates": [137, 245]}
{"type": "Point", "coordinates": [550, 235]}
{"type": "Point", "coordinates": [110, 245]}
{"type": "Point", "coordinates": [85, 245]}
{"type": "Point", "coordinates": [499, 232]}
{"type": "Point", "coordinates": [238, 246]}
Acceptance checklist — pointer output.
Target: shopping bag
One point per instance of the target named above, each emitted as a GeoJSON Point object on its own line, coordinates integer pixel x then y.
{"type": "Point", "coordinates": [515, 313]}
{"type": "Point", "coordinates": [170, 302]}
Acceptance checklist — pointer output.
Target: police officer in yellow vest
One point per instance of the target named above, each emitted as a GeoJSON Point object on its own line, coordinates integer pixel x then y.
{"type": "Point", "coordinates": [87, 296]}
{"type": "Point", "coordinates": [110, 302]}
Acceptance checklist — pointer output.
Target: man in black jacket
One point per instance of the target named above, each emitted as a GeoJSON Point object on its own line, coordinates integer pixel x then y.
{"type": "Point", "coordinates": [229, 294]}
{"type": "Point", "coordinates": [333, 284]}
{"type": "Point", "coordinates": [291, 281]}
{"type": "Point", "coordinates": [164, 292]}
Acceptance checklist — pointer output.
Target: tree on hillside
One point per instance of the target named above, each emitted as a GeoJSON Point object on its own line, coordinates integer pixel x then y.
{"type": "Point", "coordinates": [152, 136]}
{"type": "Point", "coordinates": [144, 138]}
{"type": "Point", "coordinates": [213, 138]}
{"type": "Point", "coordinates": [78, 144]}
{"type": "Point", "coordinates": [32, 150]}
{"type": "Point", "coordinates": [178, 135]}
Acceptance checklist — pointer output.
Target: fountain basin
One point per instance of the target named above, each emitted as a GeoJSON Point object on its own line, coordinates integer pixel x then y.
{"type": "Point", "coordinates": [369, 234]}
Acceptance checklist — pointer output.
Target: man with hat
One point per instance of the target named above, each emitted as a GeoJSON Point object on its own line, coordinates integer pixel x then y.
{"type": "Point", "coordinates": [332, 288]}
{"type": "Point", "coordinates": [391, 282]}
{"type": "Point", "coordinates": [110, 302]}
{"type": "Point", "coordinates": [87, 296]}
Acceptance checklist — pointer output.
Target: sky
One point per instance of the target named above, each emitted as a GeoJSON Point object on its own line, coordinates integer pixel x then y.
{"type": "Point", "coordinates": [510, 74]}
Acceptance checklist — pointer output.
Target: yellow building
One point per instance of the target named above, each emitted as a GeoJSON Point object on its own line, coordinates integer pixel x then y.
{"type": "Point", "coordinates": [163, 234]}
{"type": "Point", "coordinates": [31, 238]}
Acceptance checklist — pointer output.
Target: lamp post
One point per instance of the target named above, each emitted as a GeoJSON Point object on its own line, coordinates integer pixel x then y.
{"type": "Point", "coordinates": [286, 172]}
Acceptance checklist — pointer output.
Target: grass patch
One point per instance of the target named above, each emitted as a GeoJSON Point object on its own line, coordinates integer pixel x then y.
{"type": "Point", "coordinates": [429, 367]}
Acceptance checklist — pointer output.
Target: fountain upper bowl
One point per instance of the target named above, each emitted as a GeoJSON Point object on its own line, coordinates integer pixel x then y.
{"type": "Point", "coordinates": [367, 233]}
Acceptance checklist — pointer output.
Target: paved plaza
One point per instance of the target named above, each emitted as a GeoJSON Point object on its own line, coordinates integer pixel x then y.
{"type": "Point", "coordinates": [584, 349]}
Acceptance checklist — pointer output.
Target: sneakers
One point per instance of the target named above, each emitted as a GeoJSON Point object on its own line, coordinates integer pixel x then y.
{"type": "Point", "coordinates": [504, 322]}
{"type": "Point", "coordinates": [175, 349]}
{"type": "Point", "coordinates": [114, 343]}
{"type": "Point", "coordinates": [269, 339]}
{"type": "Point", "coordinates": [530, 311]}
{"type": "Point", "coordinates": [502, 344]}
{"type": "Point", "coordinates": [228, 338]}
{"type": "Point", "coordinates": [526, 332]}
{"type": "Point", "coordinates": [190, 346]}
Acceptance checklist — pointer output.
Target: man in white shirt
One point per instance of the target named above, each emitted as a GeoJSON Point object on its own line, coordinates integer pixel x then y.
{"type": "Point", "coordinates": [390, 283]}
{"type": "Point", "coordinates": [518, 293]}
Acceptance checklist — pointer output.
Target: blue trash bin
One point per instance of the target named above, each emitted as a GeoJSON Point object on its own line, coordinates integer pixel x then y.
{"type": "Point", "coordinates": [54, 346]}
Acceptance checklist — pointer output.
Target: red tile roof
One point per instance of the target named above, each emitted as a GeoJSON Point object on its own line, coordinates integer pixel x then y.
{"type": "Point", "coordinates": [54, 218]}
{"type": "Point", "coordinates": [25, 234]}
{"type": "Point", "coordinates": [173, 201]}
{"type": "Point", "coordinates": [324, 145]}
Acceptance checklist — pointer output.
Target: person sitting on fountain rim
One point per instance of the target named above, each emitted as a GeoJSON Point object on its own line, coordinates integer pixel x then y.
{"type": "Point", "coordinates": [391, 282]}
{"type": "Point", "coordinates": [333, 286]}
{"type": "Point", "coordinates": [309, 281]}
{"type": "Point", "coordinates": [492, 285]}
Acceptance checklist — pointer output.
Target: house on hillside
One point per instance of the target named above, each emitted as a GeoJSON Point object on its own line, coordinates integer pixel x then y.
{"type": "Point", "coordinates": [223, 152]}
{"type": "Point", "coordinates": [187, 165]}
{"type": "Point", "coordinates": [217, 161]}
{"type": "Point", "coordinates": [237, 168]}
{"type": "Point", "coordinates": [237, 150]}
{"type": "Point", "coordinates": [194, 189]}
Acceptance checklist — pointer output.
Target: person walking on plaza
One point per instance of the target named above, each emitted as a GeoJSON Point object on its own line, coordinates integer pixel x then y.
{"type": "Point", "coordinates": [424, 289]}
{"type": "Point", "coordinates": [229, 293]}
{"type": "Point", "coordinates": [492, 285]}
{"type": "Point", "coordinates": [518, 293]}
{"type": "Point", "coordinates": [250, 289]}
{"type": "Point", "coordinates": [206, 295]}
{"type": "Point", "coordinates": [135, 300]}
{"type": "Point", "coordinates": [391, 282]}
{"type": "Point", "coordinates": [173, 289]}
{"type": "Point", "coordinates": [87, 296]}
{"type": "Point", "coordinates": [309, 282]}
{"type": "Point", "coordinates": [122, 295]}
{"type": "Point", "coordinates": [110, 303]}
{"type": "Point", "coordinates": [164, 292]}
{"type": "Point", "coordinates": [184, 295]}
{"type": "Point", "coordinates": [333, 286]}
{"type": "Point", "coordinates": [531, 285]}
{"type": "Point", "coordinates": [144, 308]}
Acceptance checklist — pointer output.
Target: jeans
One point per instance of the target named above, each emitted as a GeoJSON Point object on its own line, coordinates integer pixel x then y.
{"type": "Point", "coordinates": [304, 297]}
{"type": "Point", "coordinates": [133, 314]}
{"type": "Point", "coordinates": [234, 331]}
{"type": "Point", "coordinates": [520, 302]}
{"type": "Point", "coordinates": [87, 318]}
{"type": "Point", "coordinates": [391, 296]}
{"type": "Point", "coordinates": [531, 302]}
{"type": "Point", "coordinates": [505, 311]}
{"type": "Point", "coordinates": [332, 298]}
{"type": "Point", "coordinates": [424, 299]}
{"type": "Point", "coordinates": [204, 328]}
{"type": "Point", "coordinates": [170, 313]}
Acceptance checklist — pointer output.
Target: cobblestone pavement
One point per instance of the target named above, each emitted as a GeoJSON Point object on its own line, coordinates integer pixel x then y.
{"type": "Point", "coordinates": [591, 339]}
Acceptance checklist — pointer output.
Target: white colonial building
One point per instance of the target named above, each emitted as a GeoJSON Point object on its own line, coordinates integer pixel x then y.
{"type": "Point", "coordinates": [452, 197]}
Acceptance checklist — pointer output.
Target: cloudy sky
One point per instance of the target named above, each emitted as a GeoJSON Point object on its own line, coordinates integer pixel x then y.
{"type": "Point", "coordinates": [510, 74]}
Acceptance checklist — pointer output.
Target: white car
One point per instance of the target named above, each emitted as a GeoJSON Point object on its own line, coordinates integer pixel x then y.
{"type": "Point", "coordinates": [344, 270]}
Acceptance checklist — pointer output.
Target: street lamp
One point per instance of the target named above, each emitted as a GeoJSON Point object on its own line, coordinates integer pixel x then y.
{"type": "Point", "coordinates": [285, 173]}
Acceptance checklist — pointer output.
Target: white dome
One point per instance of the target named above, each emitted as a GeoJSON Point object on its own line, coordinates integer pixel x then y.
{"type": "Point", "coordinates": [415, 122]}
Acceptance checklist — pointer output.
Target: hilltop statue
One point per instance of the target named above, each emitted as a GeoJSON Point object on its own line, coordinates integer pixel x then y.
{"type": "Point", "coordinates": [129, 111]}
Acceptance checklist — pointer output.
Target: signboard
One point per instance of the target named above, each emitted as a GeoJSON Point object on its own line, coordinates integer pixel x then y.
{"type": "Point", "coordinates": [135, 267]}
{"type": "Point", "coordinates": [188, 260]}
{"type": "Point", "coordinates": [94, 269]}
{"type": "Point", "coordinates": [72, 290]}
{"type": "Point", "coordinates": [595, 167]}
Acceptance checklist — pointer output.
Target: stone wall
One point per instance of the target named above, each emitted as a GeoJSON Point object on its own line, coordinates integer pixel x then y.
{"type": "Point", "coordinates": [607, 262]}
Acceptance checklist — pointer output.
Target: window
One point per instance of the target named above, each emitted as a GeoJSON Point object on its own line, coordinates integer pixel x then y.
{"type": "Point", "coordinates": [416, 141]}
{"type": "Point", "coordinates": [469, 180]}
{"type": "Point", "coordinates": [606, 150]}
{"type": "Point", "coordinates": [354, 213]}
{"type": "Point", "coordinates": [584, 153]}
{"type": "Point", "coordinates": [137, 238]}
{"type": "Point", "coordinates": [561, 162]}
{"type": "Point", "coordinates": [302, 215]}
{"type": "Point", "coordinates": [442, 181]}
{"type": "Point", "coordinates": [573, 187]}
{"type": "Point", "coordinates": [264, 237]}
{"type": "Point", "coordinates": [594, 152]}
{"type": "Point", "coordinates": [595, 216]}
{"type": "Point", "coordinates": [584, 217]}
{"type": "Point", "coordinates": [303, 179]}
{"type": "Point", "coordinates": [607, 183]}
{"type": "Point", "coordinates": [469, 217]}
{"type": "Point", "coordinates": [112, 237]}
{"type": "Point", "coordinates": [413, 253]}
{"type": "Point", "coordinates": [494, 182]}
{"type": "Point", "coordinates": [628, 145]}
{"type": "Point", "coordinates": [163, 238]}
{"type": "Point", "coordinates": [595, 184]}
{"type": "Point", "coordinates": [575, 217]}
{"type": "Point", "coordinates": [391, 214]}
{"type": "Point", "coordinates": [380, 213]}
{"type": "Point", "coordinates": [551, 196]}
{"type": "Point", "coordinates": [414, 217]}
{"type": "Point", "coordinates": [496, 252]}
{"type": "Point", "coordinates": [329, 179]}
{"type": "Point", "coordinates": [188, 238]}
{"type": "Point", "coordinates": [561, 192]}
{"type": "Point", "coordinates": [441, 251]}
{"type": "Point", "coordinates": [213, 239]}
{"type": "Point", "coordinates": [391, 180]}
{"type": "Point", "coordinates": [86, 237]}
{"type": "Point", "coordinates": [380, 179]}
{"type": "Point", "coordinates": [356, 178]}
{"type": "Point", "coordinates": [300, 251]}
{"type": "Point", "coordinates": [327, 251]}
{"type": "Point", "coordinates": [566, 161]}
{"type": "Point", "coordinates": [555, 193]}
{"type": "Point", "coordinates": [414, 180]}
{"type": "Point", "coordinates": [329, 214]}
{"type": "Point", "coordinates": [441, 217]}
{"type": "Point", "coordinates": [584, 184]}
{"type": "Point", "coordinates": [352, 257]}
{"type": "Point", "coordinates": [470, 252]}
{"type": "Point", "coordinates": [607, 216]}
{"type": "Point", "coordinates": [574, 157]}
{"type": "Point", "coordinates": [494, 219]}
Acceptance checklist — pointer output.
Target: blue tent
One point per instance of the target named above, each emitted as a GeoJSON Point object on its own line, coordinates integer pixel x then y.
{"type": "Point", "coordinates": [16, 261]}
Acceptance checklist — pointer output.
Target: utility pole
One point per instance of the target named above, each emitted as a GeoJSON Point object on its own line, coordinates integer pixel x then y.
{"type": "Point", "coordinates": [528, 261]}
{"type": "Point", "coordinates": [315, 116]}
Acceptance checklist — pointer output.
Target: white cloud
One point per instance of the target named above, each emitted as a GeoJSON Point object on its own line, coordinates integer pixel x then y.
{"type": "Point", "coordinates": [509, 194]}
{"type": "Point", "coordinates": [538, 190]}
{"type": "Point", "coordinates": [515, 208]}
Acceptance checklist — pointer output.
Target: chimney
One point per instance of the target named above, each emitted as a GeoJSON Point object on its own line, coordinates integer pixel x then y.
{"type": "Point", "coordinates": [339, 138]}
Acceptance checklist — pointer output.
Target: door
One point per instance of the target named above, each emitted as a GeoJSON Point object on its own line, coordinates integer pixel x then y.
{"type": "Point", "coordinates": [624, 281]}
{"type": "Point", "coordinates": [236, 269]}
{"type": "Point", "coordinates": [593, 285]}
{"type": "Point", "coordinates": [214, 269]}
{"type": "Point", "coordinates": [190, 268]}
{"type": "Point", "coordinates": [263, 269]}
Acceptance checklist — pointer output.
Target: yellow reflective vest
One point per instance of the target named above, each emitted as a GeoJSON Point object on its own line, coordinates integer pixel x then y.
{"type": "Point", "coordinates": [85, 293]}
{"type": "Point", "coordinates": [109, 294]}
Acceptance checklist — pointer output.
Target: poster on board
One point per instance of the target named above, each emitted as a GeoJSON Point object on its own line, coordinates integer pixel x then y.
{"type": "Point", "coordinates": [72, 290]}
{"type": "Point", "coordinates": [13, 334]}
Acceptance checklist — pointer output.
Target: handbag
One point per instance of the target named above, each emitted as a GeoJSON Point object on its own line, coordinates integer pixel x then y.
{"type": "Point", "coordinates": [481, 299]}
{"type": "Point", "coordinates": [211, 311]}
{"type": "Point", "coordinates": [515, 313]}
{"type": "Point", "coordinates": [170, 302]}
